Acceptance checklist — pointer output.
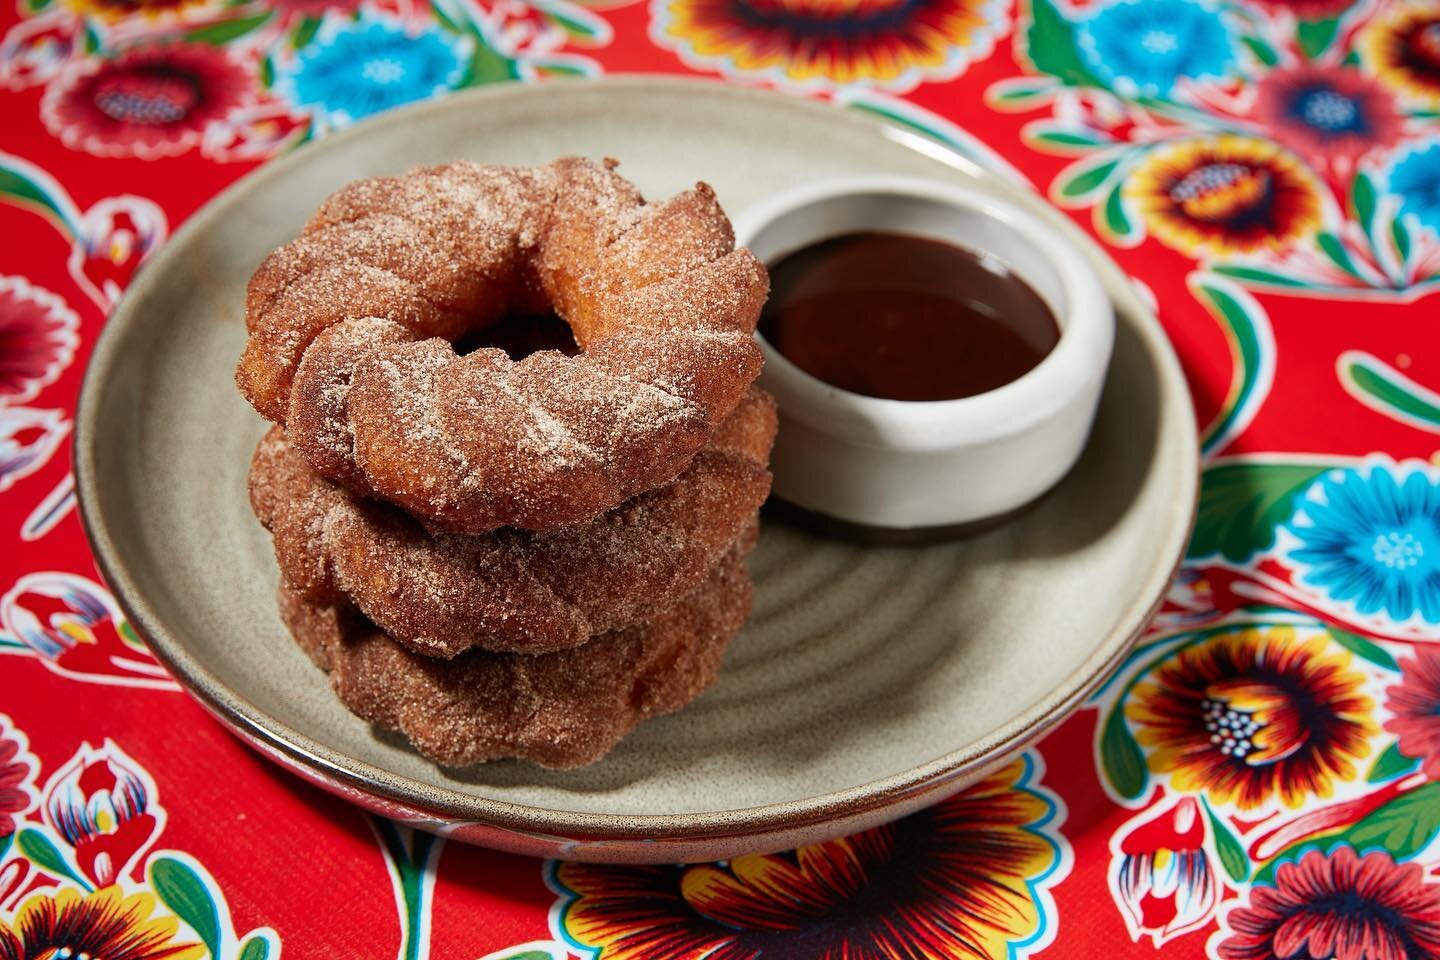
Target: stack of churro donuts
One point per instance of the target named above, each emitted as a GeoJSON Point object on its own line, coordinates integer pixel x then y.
{"type": "Point", "coordinates": [501, 551]}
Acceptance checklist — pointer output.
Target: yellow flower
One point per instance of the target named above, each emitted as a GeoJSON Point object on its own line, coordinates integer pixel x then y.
{"type": "Point", "coordinates": [1402, 48]}
{"type": "Point", "coordinates": [1255, 715]}
{"type": "Point", "coordinates": [1225, 194]}
{"type": "Point", "coordinates": [104, 924]}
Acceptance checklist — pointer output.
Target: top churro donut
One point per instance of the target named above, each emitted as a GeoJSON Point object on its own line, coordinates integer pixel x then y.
{"type": "Point", "coordinates": [353, 325]}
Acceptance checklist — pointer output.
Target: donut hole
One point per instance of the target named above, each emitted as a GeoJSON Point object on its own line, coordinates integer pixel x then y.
{"type": "Point", "coordinates": [522, 334]}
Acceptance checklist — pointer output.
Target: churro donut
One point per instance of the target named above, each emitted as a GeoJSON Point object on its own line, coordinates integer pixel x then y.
{"type": "Point", "coordinates": [562, 709]}
{"type": "Point", "coordinates": [352, 332]}
{"type": "Point", "coordinates": [514, 590]}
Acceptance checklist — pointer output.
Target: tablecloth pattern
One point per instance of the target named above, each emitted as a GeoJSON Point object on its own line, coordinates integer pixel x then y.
{"type": "Point", "coordinates": [1262, 777]}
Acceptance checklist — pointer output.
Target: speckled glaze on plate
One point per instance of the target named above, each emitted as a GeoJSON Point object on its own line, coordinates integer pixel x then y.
{"type": "Point", "coordinates": [870, 681]}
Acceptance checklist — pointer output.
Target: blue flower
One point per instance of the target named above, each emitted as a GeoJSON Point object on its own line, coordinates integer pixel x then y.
{"type": "Point", "coordinates": [355, 68]}
{"type": "Point", "coordinates": [1366, 539]}
{"type": "Point", "coordinates": [1143, 47]}
{"type": "Point", "coordinates": [1415, 178]}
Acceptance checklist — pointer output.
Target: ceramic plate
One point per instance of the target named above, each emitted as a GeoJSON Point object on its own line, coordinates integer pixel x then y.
{"type": "Point", "coordinates": [869, 681]}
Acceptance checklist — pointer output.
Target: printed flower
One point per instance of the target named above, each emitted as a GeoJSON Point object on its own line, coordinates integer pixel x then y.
{"type": "Point", "coordinates": [1415, 707]}
{"type": "Point", "coordinates": [1362, 538]}
{"type": "Point", "coordinates": [37, 339]}
{"type": "Point", "coordinates": [1146, 47]}
{"type": "Point", "coordinates": [1339, 906]}
{"type": "Point", "coordinates": [893, 44]}
{"type": "Point", "coordinates": [100, 805]}
{"type": "Point", "coordinates": [75, 628]}
{"type": "Point", "coordinates": [17, 767]}
{"type": "Point", "coordinates": [1402, 48]}
{"type": "Point", "coordinates": [1224, 195]}
{"type": "Point", "coordinates": [28, 439]}
{"type": "Point", "coordinates": [950, 882]}
{"type": "Point", "coordinates": [115, 10]}
{"type": "Point", "coordinates": [1162, 876]}
{"type": "Point", "coordinates": [313, 8]}
{"type": "Point", "coordinates": [1308, 9]}
{"type": "Point", "coordinates": [356, 68]}
{"type": "Point", "coordinates": [1415, 179]}
{"type": "Point", "coordinates": [37, 48]}
{"type": "Point", "coordinates": [116, 236]}
{"type": "Point", "coordinates": [65, 924]}
{"type": "Point", "coordinates": [150, 101]}
{"type": "Point", "coordinates": [1327, 114]}
{"type": "Point", "coordinates": [1253, 716]}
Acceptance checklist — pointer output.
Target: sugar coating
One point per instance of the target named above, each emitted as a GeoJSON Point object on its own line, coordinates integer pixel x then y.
{"type": "Point", "coordinates": [561, 710]}
{"type": "Point", "coordinates": [440, 594]}
{"type": "Point", "coordinates": [351, 326]}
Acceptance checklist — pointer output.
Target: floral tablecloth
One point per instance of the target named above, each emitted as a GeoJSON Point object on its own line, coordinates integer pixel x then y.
{"type": "Point", "coordinates": [1261, 779]}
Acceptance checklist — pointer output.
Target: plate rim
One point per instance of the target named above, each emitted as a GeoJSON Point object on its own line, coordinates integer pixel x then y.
{"type": "Point", "coordinates": [302, 753]}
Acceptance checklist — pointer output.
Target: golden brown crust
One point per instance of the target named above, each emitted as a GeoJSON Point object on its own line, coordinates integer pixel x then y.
{"type": "Point", "coordinates": [663, 304]}
{"type": "Point", "coordinates": [560, 710]}
{"type": "Point", "coordinates": [514, 590]}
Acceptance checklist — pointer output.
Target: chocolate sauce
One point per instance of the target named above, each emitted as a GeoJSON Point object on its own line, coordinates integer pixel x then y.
{"type": "Point", "coordinates": [904, 317]}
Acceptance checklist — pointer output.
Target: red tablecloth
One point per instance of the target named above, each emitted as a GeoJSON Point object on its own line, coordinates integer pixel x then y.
{"type": "Point", "coordinates": [1258, 781]}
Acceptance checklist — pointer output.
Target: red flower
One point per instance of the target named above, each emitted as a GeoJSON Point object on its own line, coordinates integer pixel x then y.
{"type": "Point", "coordinates": [16, 769]}
{"type": "Point", "coordinates": [148, 102]}
{"type": "Point", "coordinates": [37, 339]}
{"type": "Point", "coordinates": [1325, 115]}
{"type": "Point", "coordinates": [1338, 906]}
{"type": "Point", "coordinates": [1415, 703]}
{"type": "Point", "coordinates": [100, 805]}
{"type": "Point", "coordinates": [1163, 877]}
{"type": "Point", "coordinates": [1309, 9]}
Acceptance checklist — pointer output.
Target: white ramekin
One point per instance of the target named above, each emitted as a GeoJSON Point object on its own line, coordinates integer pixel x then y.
{"type": "Point", "coordinates": [911, 466]}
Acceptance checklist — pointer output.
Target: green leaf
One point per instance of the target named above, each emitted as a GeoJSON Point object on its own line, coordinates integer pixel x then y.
{"type": "Point", "coordinates": [1363, 648]}
{"type": "Point", "coordinates": [1263, 51]}
{"type": "Point", "coordinates": [5, 843]}
{"type": "Point", "coordinates": [588, 31]}
{"type": "Point", "coordinates": [93, 43]}
{"type": "Point", "coordinates": [1335, 250]}
{"type": "Point", "coordinates": [1257, 275]}
{"type": "Point", "coordinates": [1232, 854]}
{"type": "Point", "coordinates": [305, 32]}
{"type": "Point", "coordinates": [256, 948]}
{"type": "Point", "coordinates": [181, 889]}
{"type": "Point", "coordinates": [1124, 763]}
{"type": "Point", "coordinates": [1242, 505]}
{"type": "Point", "coordinates": [1117, 221]}
{"type": "Point", "coordinates": [1050, 45]}
{"type": "Point", "coordinates": [1400, 234]}
{"type": "Point", "coordinates": [1403, 827]}
{"type": "Point", "coordinates": [1391, 764]}
{"type": "Point", "coordinates": [1019, 93]}
{"type": "Point", "coordinates": [38, 849]}
{"type": "Point", "coordinates": [557, 68]}
{"type": "Point", "coordinates": [1381, 386]}
{"type": "Point", "coordinates": [489, 66]}
{"type": "Point", "coordinates": [228, 30]}
{"type": "Point", "coordinates": [1070, 141]}
{"type": "Point", "coordinates": [1078, 183]}
{"type": "Point", "coordinates": [35, 6]}
{"type": "Point", "coordinates": [1362, 201]}
{"type": "Point", "coordinates": [267, 72]}
{"type": "Point", "coordinates": [1316, 35]}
